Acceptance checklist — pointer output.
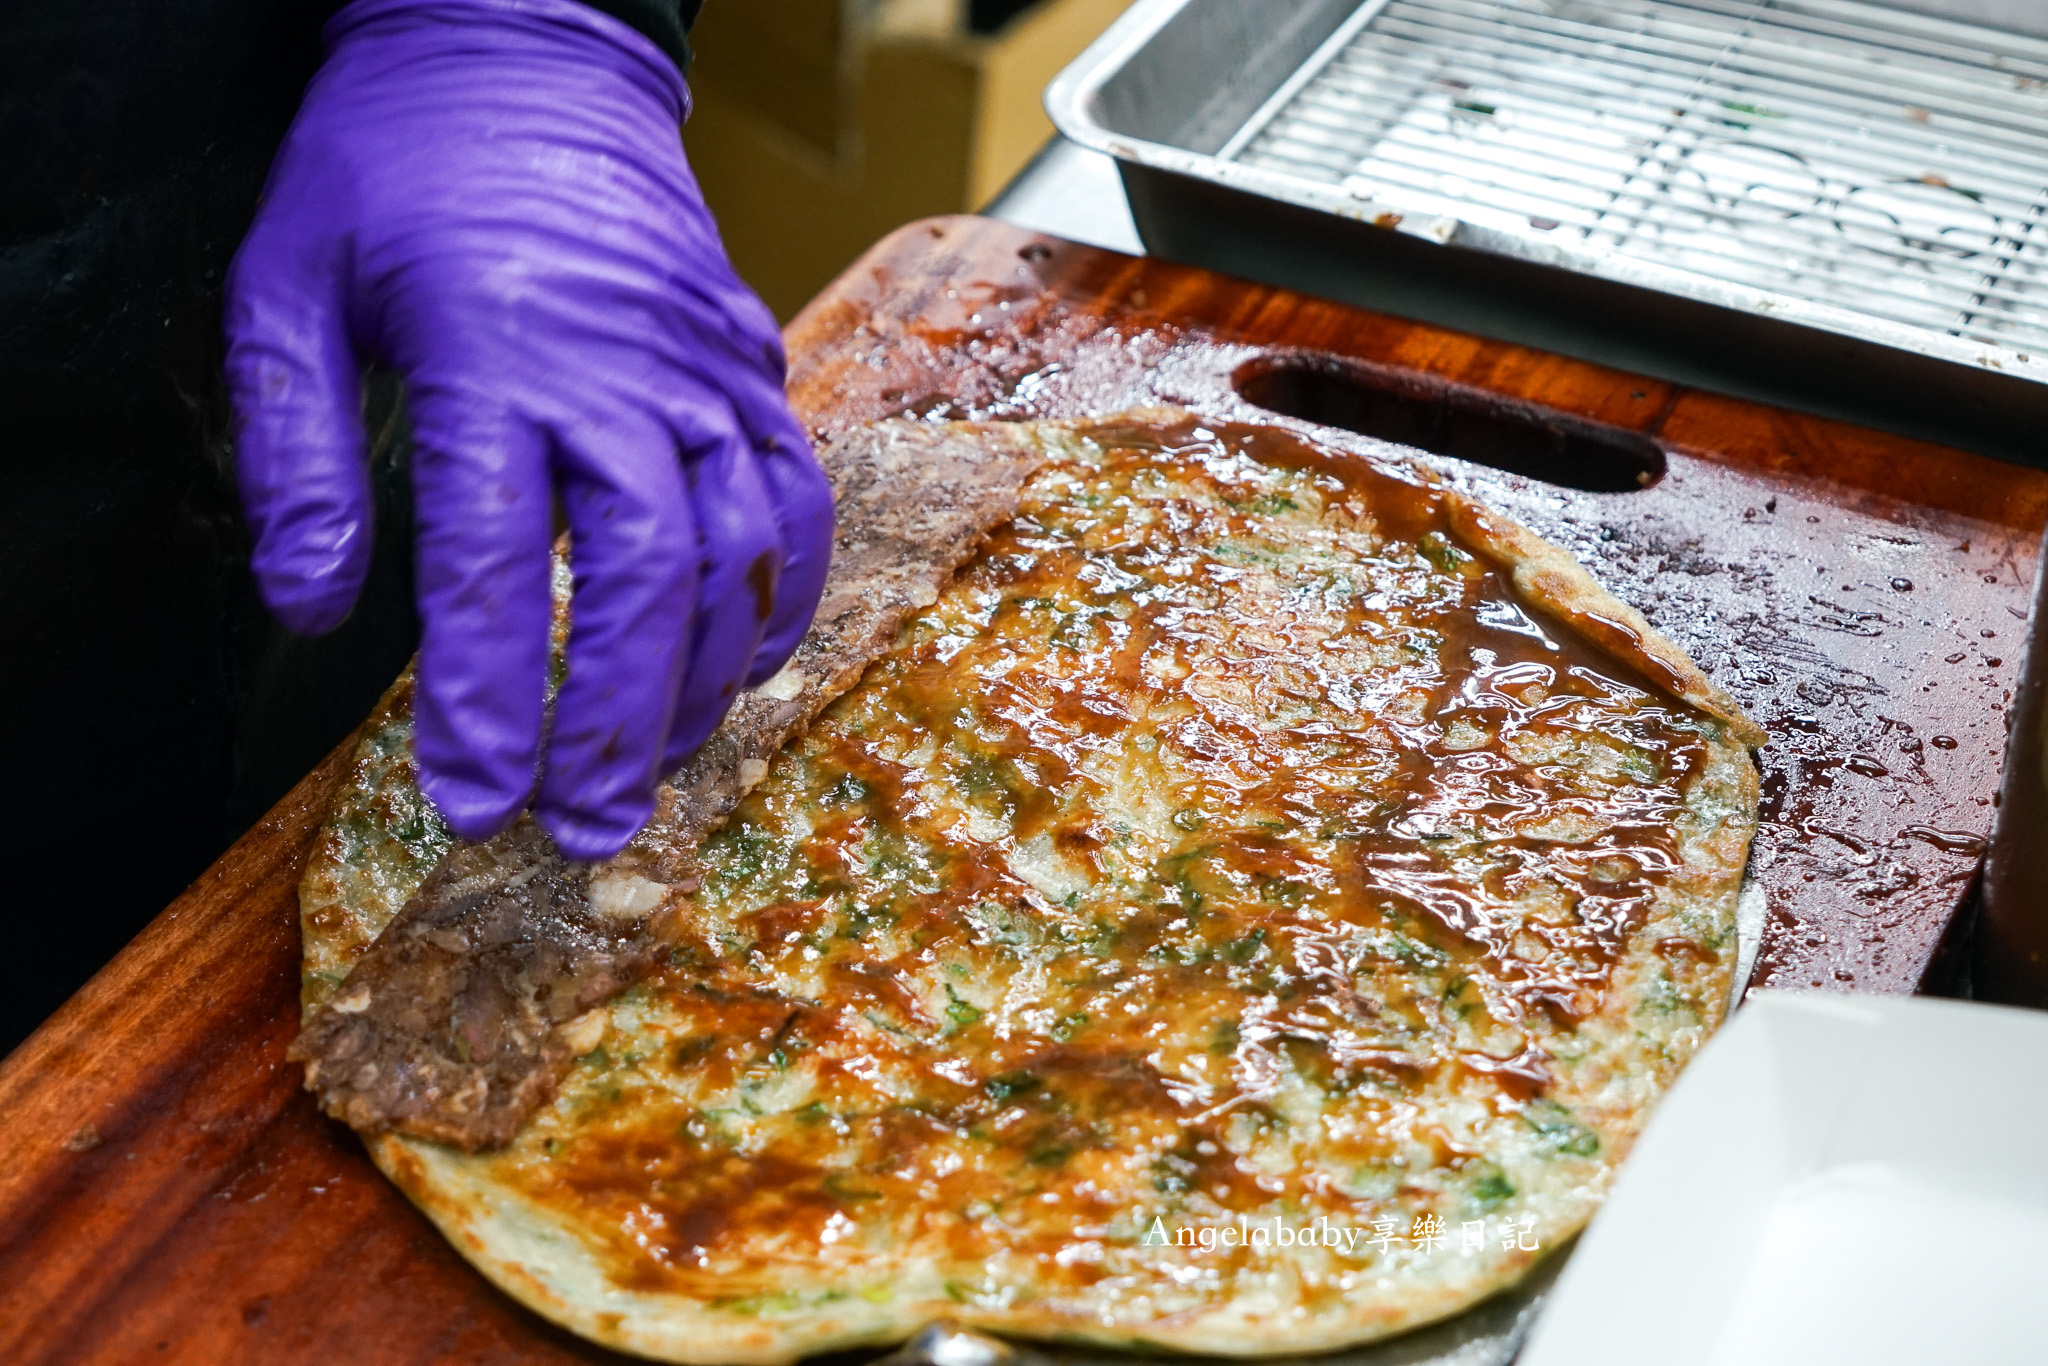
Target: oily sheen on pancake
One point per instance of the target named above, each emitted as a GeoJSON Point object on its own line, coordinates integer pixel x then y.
{"type": "Point", "coordinates": [1251, 910]}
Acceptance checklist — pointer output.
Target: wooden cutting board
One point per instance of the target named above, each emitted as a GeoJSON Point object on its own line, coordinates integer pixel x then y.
{"type": "Point", "coordinates": [168, 1192]}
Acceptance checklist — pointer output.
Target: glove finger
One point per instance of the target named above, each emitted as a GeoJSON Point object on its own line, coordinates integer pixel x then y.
{"type": "Point", "coordinates": [485, 518]}
{"type": "Point", "coordinates": [797, 488]}
{"type": "Point", "coordinates": [635, 553]}
{"type": "Point", "coordinates": [740, 546]}
{"type": "Point", "coordinates": [296, 388]}
{"type": "Point", "coordinates": [803, 502]}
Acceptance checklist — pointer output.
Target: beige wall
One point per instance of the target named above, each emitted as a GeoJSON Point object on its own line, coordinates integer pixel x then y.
{"type": "Point", "coordinates": [822, 124]}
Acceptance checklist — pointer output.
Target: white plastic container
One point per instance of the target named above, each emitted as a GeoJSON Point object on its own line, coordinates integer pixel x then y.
{"type": "Point", "coordinates": [1835, 1179]}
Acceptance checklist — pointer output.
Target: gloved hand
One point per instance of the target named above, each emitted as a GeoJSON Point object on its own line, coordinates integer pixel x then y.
{"type": "Point", "coordinates": [490, 196]}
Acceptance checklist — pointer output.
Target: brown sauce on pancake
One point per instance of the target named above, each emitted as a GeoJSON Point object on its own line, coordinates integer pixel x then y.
{"type": "Point", "coordinates": [1225, 796]}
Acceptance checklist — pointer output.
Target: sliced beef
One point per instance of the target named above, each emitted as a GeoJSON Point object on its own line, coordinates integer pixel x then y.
{"type": "Point", "coordinates": [468, 1009]}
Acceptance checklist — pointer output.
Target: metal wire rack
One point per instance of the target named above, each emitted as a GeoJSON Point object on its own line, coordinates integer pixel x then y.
{"type": "Point", "coordinates": [1846, 153]}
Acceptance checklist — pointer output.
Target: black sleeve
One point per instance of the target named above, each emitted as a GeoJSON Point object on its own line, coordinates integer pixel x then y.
{"type": "Point", "coordinates": [667, 22]}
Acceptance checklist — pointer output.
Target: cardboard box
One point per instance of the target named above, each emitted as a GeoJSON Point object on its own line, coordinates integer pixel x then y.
{"type": "Point", "coordinates": [820, 125]}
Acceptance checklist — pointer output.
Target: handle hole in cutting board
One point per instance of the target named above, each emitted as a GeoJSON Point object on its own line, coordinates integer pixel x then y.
{"type": "Point", "coordinates": [1443, 418]}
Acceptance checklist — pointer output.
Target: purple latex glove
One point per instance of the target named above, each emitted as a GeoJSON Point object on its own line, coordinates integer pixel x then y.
{"type": "Point", "coordinates": [490, 196]}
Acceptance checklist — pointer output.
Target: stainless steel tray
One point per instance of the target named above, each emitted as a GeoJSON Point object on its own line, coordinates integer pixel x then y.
{"type": "Point", "coordinates": [1872, 172]}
